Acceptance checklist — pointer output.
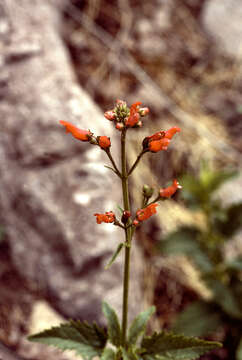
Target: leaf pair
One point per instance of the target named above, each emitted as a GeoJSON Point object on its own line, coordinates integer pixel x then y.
{"type": "Point", "coordinates": [90, 340]}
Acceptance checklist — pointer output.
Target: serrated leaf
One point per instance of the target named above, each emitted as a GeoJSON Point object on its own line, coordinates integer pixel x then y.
{"type": "Point", "coordinates": [86, 340]}
{"type": "Point", "coordinates": [239, 351]}
{"type": "Point", "coordinates": [115, 254]}
{"type": "Point", "coordinates": [108, 354]}
{"type": "Point", "coordinates": [185, 241]}
{"type": "Point", "coordinates": [114, 330]}
{"type": "Point", "coordinates": [165, 346]}
{"type": "Point", "coordinates": [138, 326]}
{"type": "Point", "coordinates": [198, 319]}
{"type": "Point", "coordinates": [224, 296]}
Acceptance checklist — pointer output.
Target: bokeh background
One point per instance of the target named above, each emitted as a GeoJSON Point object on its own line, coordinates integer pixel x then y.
{"type": "Point", "coordinates": [71, 60]}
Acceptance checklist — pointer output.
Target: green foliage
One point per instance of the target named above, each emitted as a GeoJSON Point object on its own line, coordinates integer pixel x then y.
{"type": "Point", "coordinates": [206, 251]}
{"type": "Point", "coordinates": [197, 191]}
{"type": "Point", "coordinates": [224, 296]}
{"type": "Point", "coordinates": [198, 319]}
{"type": "Point", "coordinates": [86, 340]}
{"type": "Point", "coordinates": [115, 255]}
{"type": "Point", "coordinates": [186, 241]}
{"type": "Point", "coordinates": [114, 331]}
{"type": "Point", "coordinates": [90, 340]}
{"type": "Point", "coordinates": [138, 326]}
{"type": "Point", "coordinates": [164, 346]}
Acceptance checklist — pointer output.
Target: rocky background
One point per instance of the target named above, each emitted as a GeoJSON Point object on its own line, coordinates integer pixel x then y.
{"type": "Point", "coordinates": [70, 60]}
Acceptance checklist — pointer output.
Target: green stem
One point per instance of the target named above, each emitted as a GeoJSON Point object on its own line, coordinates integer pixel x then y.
{"type": "Point", "coordinates": [113, 162]}
{"type": "Point", "coordinates": [128, 237]}
{"type": "Point", "coordinates": [137, 161]}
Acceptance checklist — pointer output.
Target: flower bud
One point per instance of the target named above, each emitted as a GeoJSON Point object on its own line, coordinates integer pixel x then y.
{"type": "Point", "coordinates": [139, 124]}
{"type": "Point", "coordinates": [125, 217]}
{"type": "Point", "coordinates": [93, 140]}
{"type": "Point", "coordinates": [104, 142]}
{"type": "Point", "coordinates": [144, 111]}
{"type": "Point", "coordinates": [119, 126]}
{"type": "Point", "coordinates": [121, 103]}
{"type": "Point", "coordinates": [148, 191]}
{"type": "Point", "coordinates": [110, 115]}
{"type": "Point", "coordinates": [135, 223]}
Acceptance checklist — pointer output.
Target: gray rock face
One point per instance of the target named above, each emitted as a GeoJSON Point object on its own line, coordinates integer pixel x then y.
{"type": "Point", "coordinates": [51, 184]}
{"type": "Point", "coordinates": [223, 20]}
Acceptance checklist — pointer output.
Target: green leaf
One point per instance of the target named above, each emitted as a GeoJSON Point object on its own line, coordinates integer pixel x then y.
{"type": "Point", "coordinates": [108, 354]}
{"type": "Point", "coordinates": [164, 346]}
{"type": "Point", "coordinates": [239, 351]}
{"type": "Point", "coordinates": [86, 340]}
{"type": "Point", "coordinates": [223, 296]}
{"type": "Point", "coordinates": [114, 330]}
{"type": "Point", "coordinates": [185, 241]}
{"type": "Point", "coordinates": [115, 254]}
{"type": "Point", "coordinates": [212, 180]}
{"type": "Point", "coordinates": [138, 326]}
{"type": "Point", "coordinates": [198, 319]}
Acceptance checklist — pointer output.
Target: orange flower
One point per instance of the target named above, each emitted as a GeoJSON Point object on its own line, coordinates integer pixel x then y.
{"type": "Point", "coordinates": [171, 132]}
{"type": "Point", "coordinates": [83, 135]}
{"type": "Point", "coordinates": [104, 142]}
{"type": "Point", "coordinates": [108, 217]}
{"type": "Point", "coordinates": [134, 115]}
{"type": "Point", "coordinates": [147, 212]}
{"type": "Point", "coordinates": [160, 140]}
{"type": "Point", "coordinates": [158, 145]}
{"type": "Point", "coordinates": [157, 136]}
{"type": "Point", "coordinates": [170, 190]}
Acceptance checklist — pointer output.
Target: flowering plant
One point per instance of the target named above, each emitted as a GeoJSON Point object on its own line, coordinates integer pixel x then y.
{"type": "Point", "coordinates": [118, 342]}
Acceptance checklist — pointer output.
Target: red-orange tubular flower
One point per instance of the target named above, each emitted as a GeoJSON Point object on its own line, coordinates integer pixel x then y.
{"type": "Point", "coordinates": [146, 213]}
{"type": "Point", "coordinates": [104, 142]}
{"type": "Point", "coordinates": [134, 115]}
{"type": "Point", "coordinates": [170, 190]}
{"type": "Point", "coordinates": [108, 217]}
{"type": "Point", "coordinates": [171, 132]}
{"type": "Point", "coordinates": [83, 135]}
{"type": "Point", "coordinates": [155, 144]}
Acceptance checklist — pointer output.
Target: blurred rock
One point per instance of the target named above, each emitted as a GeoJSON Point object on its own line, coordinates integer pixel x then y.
{"type": "Point", "coordinates": [222, 20]}
{"type": "Point", "coordinates": [51, 184]}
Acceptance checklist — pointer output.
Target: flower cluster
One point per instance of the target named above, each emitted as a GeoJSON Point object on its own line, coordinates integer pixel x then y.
{"type": "Point", "coordinates": [124, 117]}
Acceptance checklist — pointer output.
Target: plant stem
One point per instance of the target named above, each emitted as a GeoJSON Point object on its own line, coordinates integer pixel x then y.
{"type": "Point", "coordinates": [113, 162]}
{"type": "Point", "coordinates": [128, 236]}
{"type": "Point", "coordinates": [137, 161]}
